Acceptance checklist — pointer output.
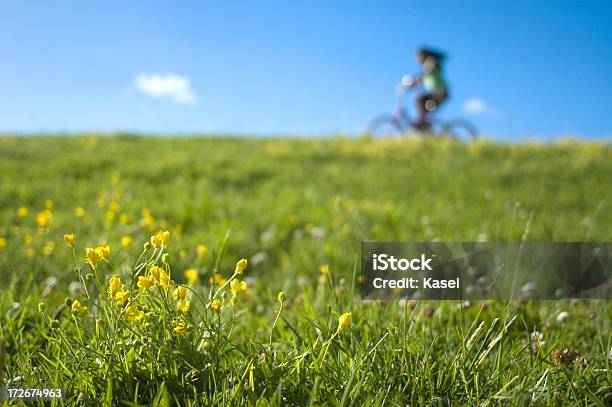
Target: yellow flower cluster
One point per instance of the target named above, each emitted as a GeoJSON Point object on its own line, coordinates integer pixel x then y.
{"type": "Point", "coordinates": [70, 239]}
{"type": "Point", "coordinates": [160, 276]}
{"type": "Point", "coordinates": [160, 239]}
{"type": "Point", "coordinates": [137, 306]}
{"type": "Point", "coordinates": [179, 292]}
{"type": "Point", "coordinates": [145, 282]}
{"type": "Point", "coordinates": [237, 286]}
{"type": "Point", "coordinates": [77, 308]}
{"type": "Point", "coordinates": [97, 254]}
{"type": "Point", "coordinates": [134, 313]}
{"type": "Point", "coordinates": [115, 292]}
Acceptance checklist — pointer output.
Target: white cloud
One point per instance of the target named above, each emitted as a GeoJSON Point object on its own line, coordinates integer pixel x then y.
{"type": "Point", "coordinates": [478, 107]}
{"type": "Point", "coordinates": [174, 87]}
{"type": "Point", "coordinates": [474, 106]}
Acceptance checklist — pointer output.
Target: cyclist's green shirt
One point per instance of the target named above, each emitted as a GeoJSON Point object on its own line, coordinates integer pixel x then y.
{"type": "Point", "coordinates": [433, 82]}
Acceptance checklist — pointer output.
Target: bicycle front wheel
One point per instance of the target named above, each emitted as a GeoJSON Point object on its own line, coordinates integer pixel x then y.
{"type": "Point", "coordinates": [384, 126]}
{"type": "Point", "coordinates": [459, 130]}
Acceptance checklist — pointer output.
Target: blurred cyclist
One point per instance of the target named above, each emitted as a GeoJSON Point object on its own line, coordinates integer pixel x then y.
{"type": "Point", "coordinates": [436, 91]}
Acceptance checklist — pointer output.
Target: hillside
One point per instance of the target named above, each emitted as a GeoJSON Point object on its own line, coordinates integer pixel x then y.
{"type": "Point", "coordinates": [297, 209]}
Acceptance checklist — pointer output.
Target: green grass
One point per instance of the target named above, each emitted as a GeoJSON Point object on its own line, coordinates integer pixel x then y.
{"type": "Point", "coordinates": [290, 206]}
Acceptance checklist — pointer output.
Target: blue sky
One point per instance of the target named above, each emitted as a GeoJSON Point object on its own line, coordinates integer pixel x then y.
{"type": "Point", "coordinates": [530, 69]}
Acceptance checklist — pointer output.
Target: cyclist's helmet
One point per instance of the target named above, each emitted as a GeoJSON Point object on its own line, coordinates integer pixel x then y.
{"type": "Point", "coordinates": [426, 52]}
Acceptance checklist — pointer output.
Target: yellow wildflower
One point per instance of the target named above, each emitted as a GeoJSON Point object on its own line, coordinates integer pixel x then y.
{"type": "Point", "coordinates": [48, 204]}
{"type": "Point", "coordinates": [22, 212]}
{"type": "Point", "coordinates": [160, 276]}
{"type": "Point", "coordinates": [180, 292]}
{"type": "Point", "coordinates": [113, 206]}
{"type": "Point", "coordinates": [77, 308]}
{"type": "Point", "coordinates": [121, 296]}
{"type": "Point", "coordinates": [344, 321]}
{"type": "Point", "coordinates": [48, 248]}
{"type": "Point", "coordinates": [114, 285]}
{"type": "Point", "coordinates": [115, 180]}
{"type": "Point", "coordinates": [2, 242]}
{"type": "Point", "coordinates": [123, 219]}
{"type": "Point", "coordinates": [183, 305]}
{"type": "Point", "coordinates": [160, 239]}
{"type": "Point", "coordinates": [70, 239]}
{"type": "Point", "coordinates": [110, 215]}
{"type": "Point", "coordinates": [79, 212]}
{"type": "Point", "coordinates": [179, 326]}
{"type": "Point", "coordinates": [215, 306]}
{"type": "Point", "coordinates": [144, 282]}
{"type": "Point", "coordinates": [30, 253]}
{"type": "Point", "coordinates": [192, 276]}
{"type": "Point", "coordinates": [43, 218]}
{"type": "Point", "coordinates": [93, 256]}
{"type": "Point", "coordinates": [237, 286]}
{"type": "Point", "coordinates": [324, 269]}
{"type": "Point", "coordinates": [218, 279]}
{"type": "Point", "coordinates": [241, 265]}
{"type": "Point", "coordinates": [104, 251]}
{"type": "Point", "coordinates": [156, 272]}
{"type": "Point", "coordinates": [126, 241]}
{"type": "Point", "coordinates": [133, 313]}
{"type": "Point", "coordinates": [201, 250]}
{"type": "Point", "coordinates": [146, 216]}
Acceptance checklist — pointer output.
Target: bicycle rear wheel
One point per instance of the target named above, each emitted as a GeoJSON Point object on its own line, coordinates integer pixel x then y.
{"type": "Point", "coordinates": [459, 130]}
{"type": "Point", "coordinates": [384, 126]}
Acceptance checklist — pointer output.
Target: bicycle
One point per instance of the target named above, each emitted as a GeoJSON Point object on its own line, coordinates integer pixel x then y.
{"type": "Point", "coordinates": [400, 123]}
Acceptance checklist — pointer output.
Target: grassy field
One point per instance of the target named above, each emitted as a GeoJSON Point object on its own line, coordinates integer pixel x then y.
{"type": "Point", "coordinates": [297, 209]}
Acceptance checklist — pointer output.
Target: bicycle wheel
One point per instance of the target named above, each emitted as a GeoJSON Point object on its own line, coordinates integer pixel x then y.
{"type": "Point", "coordinates": [459, 130]}
{"type": "Point", "coordinates": [384, 126]}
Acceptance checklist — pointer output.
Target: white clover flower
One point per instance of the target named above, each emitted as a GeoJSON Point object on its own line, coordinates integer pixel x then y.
{"type": "Point", "coordinates": [563, 317]}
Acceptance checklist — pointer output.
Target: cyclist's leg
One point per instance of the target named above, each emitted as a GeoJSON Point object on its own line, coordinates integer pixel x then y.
{"type": "Point", "coordinates": [421, 103]}
{"type": "Point", "coordinates": [426, 104]}
{"type": "Point", "coordinates": [440, 98]}
{"type": "Point", "coordinates": [432, 102]}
